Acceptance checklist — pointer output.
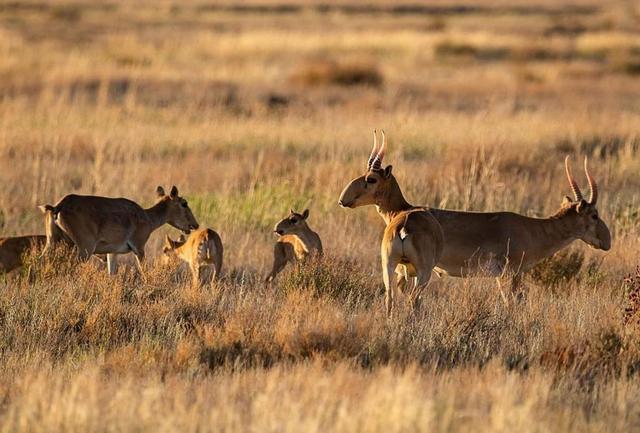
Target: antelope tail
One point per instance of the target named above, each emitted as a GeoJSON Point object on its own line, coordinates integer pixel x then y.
{"type": "Point", "coordinates": [48, 208]}
{"type": "Point", "coordinates": [204, 249]}
{"type": "Point", "coordinates": [402, 232]}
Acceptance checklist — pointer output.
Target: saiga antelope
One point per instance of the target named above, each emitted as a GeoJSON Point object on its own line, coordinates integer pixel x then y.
{"type": "Point", "coordinates": [202, 250]}
{"type": "Point", "coordinates": [13, 249]}
{"type": "Point", "coordinates": [413, 240]}
{"type": "Point", "coordinates": [295, 241]}
{"type": "Point", "coordinates": [115, 225]}
{"type": "Point", "coordinates": [493, 243]}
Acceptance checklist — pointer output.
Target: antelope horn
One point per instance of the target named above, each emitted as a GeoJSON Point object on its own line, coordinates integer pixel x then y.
{"type": "Point", "coordinates": [593, 186]}
{"type": "Point", "coordinates": [574, 186]}
{"type": "Point", "coordinates": [377, 162]}
{"type": "Point", "coordinates": [374, 151]}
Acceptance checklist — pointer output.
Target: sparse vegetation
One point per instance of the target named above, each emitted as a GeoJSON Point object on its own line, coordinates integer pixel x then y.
{"type": "Point", "coordinates": [558, 269]}
{"type": "Point", "coordinates": [320, 73]}
{"type": "Point", "coordinates": [484, 101]}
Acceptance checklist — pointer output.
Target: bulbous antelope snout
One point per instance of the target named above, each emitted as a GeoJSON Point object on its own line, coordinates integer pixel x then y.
{"type": "Point", "coordinates": [600, 239]}
{"type": "Point", "coordinates": [605, 242]}
{"type": "Point", "coordinates": [345, 200]}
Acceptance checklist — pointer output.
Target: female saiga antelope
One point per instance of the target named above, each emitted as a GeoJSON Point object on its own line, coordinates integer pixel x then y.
{"type": "Point", "coordinates": [12, 250]}
{"type": "Point", "coordinates": [115, 225]}
{"type": "Point", "coordinates": [497, 242]}
{"type": "Point", "coordinates": [295, 242]}
{"type": "Point", "coordinates": [202, 250]}
{"type": "Point", "coordinates": [413, 240]}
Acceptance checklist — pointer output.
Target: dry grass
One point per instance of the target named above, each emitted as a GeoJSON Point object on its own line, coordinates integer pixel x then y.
{"type": "Point", "coordinates": [481, 103]}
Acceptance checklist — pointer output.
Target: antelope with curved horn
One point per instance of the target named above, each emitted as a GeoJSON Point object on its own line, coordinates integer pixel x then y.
{"type": "Point", "coordinates": [413, 239]}
{"type": "Point", "coordinates": [296, 241]}
{"type": "Point", "coordinates": [103, 225]}
{"type": "Point", "coordinates": [495, 242]}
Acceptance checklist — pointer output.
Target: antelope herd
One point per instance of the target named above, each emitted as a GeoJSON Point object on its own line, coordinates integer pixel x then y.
{"type": "Point", "coordinates": [417, 240]}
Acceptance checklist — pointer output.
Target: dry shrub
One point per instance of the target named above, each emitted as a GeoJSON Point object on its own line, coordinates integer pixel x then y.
{"type": "Point", "coordinates": [67, 12]}
{"type": "Point", "coordinates": [336, 278]}
{"type": "Point", "coordinates": [325, 73]}
{"type": "Point", "coordinates": [625, 63]}
{"type": "Point", "coordinates": [447, 49]}
{"type": "Point", "coordinates": [558, 269]}
{"type": "Point", "coordinates": [632, 308]}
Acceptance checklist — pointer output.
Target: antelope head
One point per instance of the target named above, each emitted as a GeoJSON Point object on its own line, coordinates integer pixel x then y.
{"type": "Point", "coordinates": [591, 229]}
{"type": "Point", "coordinates": [179, 214]}
{"type": "Point", "coordinates": [294, 223]}
{"type": "Point", "coordinates": [368, 188]}
{"type": "Point", "coordinates": [170, 246]}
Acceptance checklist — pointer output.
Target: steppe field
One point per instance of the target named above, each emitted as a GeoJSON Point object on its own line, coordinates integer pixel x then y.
{"type": "Point", "coordinates": [254, 107]}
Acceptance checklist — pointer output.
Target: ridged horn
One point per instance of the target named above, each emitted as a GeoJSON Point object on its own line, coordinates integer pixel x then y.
{"type": "Point", "coordinates": [593, 186]}
{"type": "Point", "coordinates": [377, 162]}
{"type": "Point", "coordinates": [577, 194]}
{"type": "Point", "coordinates": [374, 151]}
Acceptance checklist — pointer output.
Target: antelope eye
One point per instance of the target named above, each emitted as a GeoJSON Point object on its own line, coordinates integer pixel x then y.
{"type": "Point", "coordinates": [294, 220]}
{"type": "Point", "coordinates": [594, 216]}
{"type": "Point", "coordinates": [371, 180]}
{"type": "Point", "coordinates": [185, 205]}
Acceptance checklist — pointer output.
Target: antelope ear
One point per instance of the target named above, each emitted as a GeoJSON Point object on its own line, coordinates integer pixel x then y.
{"type": "Point", "coordinates": [387, 171]}
{"type": "Point", "coordinates": [566, 200]}
{"type": "Point", "coordinates": [160, 191]}
{"type": "Point", "coordinates": [291, 211]}
{"type": "Point", "coordinates": [168, 241]}
{"type": "Point", "coordinates": [174, 192]}
{"type": "Point", "coordinates": [305, 214]}
{"type": "Point", "coordinates": [581, 206]}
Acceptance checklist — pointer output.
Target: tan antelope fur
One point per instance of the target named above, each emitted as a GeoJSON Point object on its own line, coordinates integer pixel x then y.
{"type": "Point", "coordinates": [494, 243]}
{"type": "Point", "coordinates": [413, 240]}
{"type": "Point", "coordinates": [13, 249]}
{"type": "Point", "coordinates": [202, 250]}
{"type": "Point", "coordinates": [102, 225]}
{"type": "Point", "coordinates": [296, 241]}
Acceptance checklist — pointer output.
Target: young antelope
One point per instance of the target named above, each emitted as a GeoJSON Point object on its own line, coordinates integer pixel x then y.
{"type": "Point", "coordinates": [296, 241]}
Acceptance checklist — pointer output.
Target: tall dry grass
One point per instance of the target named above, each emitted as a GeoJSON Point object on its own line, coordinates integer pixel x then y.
{"type": "Point", "coordinates": [481, 102]}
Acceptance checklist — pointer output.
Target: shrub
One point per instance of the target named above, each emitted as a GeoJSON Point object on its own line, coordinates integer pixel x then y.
{"type": "Point", "coordinates": [332, 277]}
{"type": "Point", "coordinates": [455, 49]}
{"type": "Point", "coordinates": [324, 73]}
{"type": "Point", "coordinates": [558, 269]}
{"type": "Point", "coordinates": [632, 307]}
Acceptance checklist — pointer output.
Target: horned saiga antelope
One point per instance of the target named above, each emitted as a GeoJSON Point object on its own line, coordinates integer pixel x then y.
{"type": "Point", "coordinates": [202, 250]}
{"type": "Point", "coordinates": [295, 242]}
{"type": "Point", "coordinates": [495, 243]}
{"type": "Point", "coordinates": [413, 239]}
{"type": "Point", "coordinates": [110, 226]}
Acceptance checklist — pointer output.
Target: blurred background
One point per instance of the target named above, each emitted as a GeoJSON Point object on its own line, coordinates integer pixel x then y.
{"type": "Point", "coordinates": [253, 107]}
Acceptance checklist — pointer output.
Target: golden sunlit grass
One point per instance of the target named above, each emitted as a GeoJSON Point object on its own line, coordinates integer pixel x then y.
{"type": "Point", "coordinates": [257, 107]}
